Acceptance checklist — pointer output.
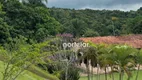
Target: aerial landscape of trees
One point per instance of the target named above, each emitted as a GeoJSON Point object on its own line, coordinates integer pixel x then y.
{"type": "Point", "coordinates": [32, 34]}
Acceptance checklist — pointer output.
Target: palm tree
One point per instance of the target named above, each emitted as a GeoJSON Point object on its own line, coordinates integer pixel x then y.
{"type": "Point", "coordinates": [100, 49]}
{"type": "Point", "coordinates": [89, 57]}
{"type": "Point", "coordinates": [139, 62]}
{"type": "Point", "coordinates": [106, 59]}
{"type": "Point", "coordinates": [104, 63]}
{"type": "Point", "coordinates": [122, 56]}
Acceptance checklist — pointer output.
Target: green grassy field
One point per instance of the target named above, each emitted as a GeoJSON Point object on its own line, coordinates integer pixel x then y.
{"type": "Point", "coordinates": [26, 75]}
{"type": "Point", "coordinates": [116, 77]}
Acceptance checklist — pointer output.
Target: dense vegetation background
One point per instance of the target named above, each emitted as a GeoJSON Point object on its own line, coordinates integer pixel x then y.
{"type": "Point", "coordinates": [90, 23]}
{"type": "Point", "coordinates": [27, 40]}
{"type": "Point", "coordinates": [36, 22]}
{"type": "Point", "coordinates": [26, 19]}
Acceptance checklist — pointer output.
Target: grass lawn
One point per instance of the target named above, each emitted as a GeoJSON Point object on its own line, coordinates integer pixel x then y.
{"type": "Point", "coordinates": [116, 77]}
{"type": "Point", "coordinates": [26, 75]}
{"type": "Point", "coordinates": [32, 73]}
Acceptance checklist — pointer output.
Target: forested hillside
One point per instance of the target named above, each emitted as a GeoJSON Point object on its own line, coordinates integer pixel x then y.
{"type": "Point", "coordinates": [29, 20]}
{"type": "Point", "coordinates": [91, 23]}
{"type": "Point", "coordinates": [36, 22]}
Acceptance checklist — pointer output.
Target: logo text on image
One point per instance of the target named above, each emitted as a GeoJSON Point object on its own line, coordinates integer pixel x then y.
{"type": "Point", "coordinates": [81, 44]}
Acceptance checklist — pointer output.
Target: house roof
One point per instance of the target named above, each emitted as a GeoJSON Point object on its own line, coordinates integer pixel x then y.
{"type": "Point", "coordinates": [132, 40]}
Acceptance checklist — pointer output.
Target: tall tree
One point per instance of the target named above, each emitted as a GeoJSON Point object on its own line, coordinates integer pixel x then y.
{"type": "Point", "coordinates": [139, 62]}
{"type": "Point", "coordinates": [33, 23]}
{"type": "Point", "coordinates": [123, 58]}
{"type": "Point", "coordinates": [4, 27]}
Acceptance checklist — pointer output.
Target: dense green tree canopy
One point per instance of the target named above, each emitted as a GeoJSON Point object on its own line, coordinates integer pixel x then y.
{"type": "Point", "coordinates": [31, 22]}
{"type": "Point", "coordinates": [4, 28]}
{"type": "Point", "coordinates": [102, 22]}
